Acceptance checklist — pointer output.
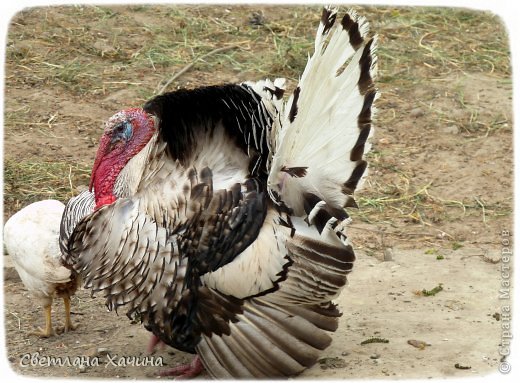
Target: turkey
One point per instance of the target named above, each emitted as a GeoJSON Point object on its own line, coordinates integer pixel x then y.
{"type": "Point", "coordinates": [31, 239]}
{"type": "Point", "coordinates": [220, 218]}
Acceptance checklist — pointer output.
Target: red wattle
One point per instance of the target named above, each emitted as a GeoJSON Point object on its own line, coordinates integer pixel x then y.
{"type": "Point", "coordinates": [105, 200]}
{"type": "Point", "coordinates": [101, 152]}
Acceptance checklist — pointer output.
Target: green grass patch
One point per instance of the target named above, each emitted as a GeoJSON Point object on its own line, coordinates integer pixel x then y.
{"type": "Point", "coordinates": [30, 181]}
{"type": "Point", "coordinates": [456, 245]}
{"type": "Point", "coordinates": [429, 293]}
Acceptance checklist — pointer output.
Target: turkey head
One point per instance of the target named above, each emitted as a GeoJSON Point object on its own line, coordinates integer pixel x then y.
{"type": "Point", "coordinates": [126, 133]}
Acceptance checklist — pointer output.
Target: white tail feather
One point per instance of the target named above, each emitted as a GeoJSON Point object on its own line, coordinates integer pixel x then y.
{"type": "Point", "coordinates": [324, 123]}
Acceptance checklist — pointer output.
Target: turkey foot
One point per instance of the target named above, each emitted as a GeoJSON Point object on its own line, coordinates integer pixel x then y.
{"type": "Point", "coordinates": [185, 371]}
{"type": "Point", "coordinates": [152, 344]}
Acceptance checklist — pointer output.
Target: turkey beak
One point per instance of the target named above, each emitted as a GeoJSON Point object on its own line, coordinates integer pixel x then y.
{"type": "Point", "coordinates": [101, 152]}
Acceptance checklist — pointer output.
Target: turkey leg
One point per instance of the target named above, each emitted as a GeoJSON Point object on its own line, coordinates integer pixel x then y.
{"type": "Point", "coordinates": [185, 371]}
{"type": "Point", "coordinates": [182, 371]}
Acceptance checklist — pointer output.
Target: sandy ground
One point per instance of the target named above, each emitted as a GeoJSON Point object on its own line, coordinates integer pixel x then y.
{"type": "Point", "coordinates": [459, 325]}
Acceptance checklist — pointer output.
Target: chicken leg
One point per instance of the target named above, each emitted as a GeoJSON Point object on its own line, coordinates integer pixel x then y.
{"type": "Point", "coordinates": [48, 331]}
{"type": "Point", "coordinates": [68, 326]}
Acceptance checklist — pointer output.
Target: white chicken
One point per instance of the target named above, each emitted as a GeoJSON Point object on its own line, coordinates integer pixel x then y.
{"type": "Point", "coordinates": [31, 238]}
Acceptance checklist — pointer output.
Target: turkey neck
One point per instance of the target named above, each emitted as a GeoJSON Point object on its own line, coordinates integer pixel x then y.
{"type": "Point", "coordinates": [128, 180]}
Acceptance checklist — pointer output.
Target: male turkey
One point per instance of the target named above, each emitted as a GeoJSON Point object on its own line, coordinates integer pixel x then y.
{"type": "Point", "coordinates": [220, 215]}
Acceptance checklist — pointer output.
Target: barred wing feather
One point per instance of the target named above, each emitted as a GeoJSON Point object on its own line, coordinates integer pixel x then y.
{"type": "Point", "coordinates": [76, 208]}
{"type": "Point", "coordinates": [157, 243]}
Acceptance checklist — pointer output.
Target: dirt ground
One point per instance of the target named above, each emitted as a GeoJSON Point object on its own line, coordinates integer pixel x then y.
{"type": "Point", "coordinates": [436, 209]}
{"type": "Point", "coordinates": [381, 302]}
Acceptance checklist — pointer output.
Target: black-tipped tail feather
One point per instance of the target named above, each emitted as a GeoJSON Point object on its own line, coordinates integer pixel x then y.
{"type": "Point", "coordinates": [327, 121]}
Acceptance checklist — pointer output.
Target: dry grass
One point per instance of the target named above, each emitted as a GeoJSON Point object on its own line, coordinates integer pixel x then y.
{"type": "Point", "coordinates": [439, 40]}
{"type": "Point", "coordinates": [86, 53]}
{"type": "Point", "coordinates": [27, 181]}
{"type": "Point", "coordinates": [418, 47]}
{"type": "Point", "coordinates": [400, 196]}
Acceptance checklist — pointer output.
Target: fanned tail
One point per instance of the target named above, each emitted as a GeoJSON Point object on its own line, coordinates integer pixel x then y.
{"type": "Point", "coordinates": [327, 120]}
{"type": "Point", "coordinates": [280, 332]}
{"type": "Point", "coordinates": [269, 340]}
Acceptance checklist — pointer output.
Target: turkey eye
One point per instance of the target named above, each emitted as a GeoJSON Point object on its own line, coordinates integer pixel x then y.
{"type": "Point", "coordinates": [123, 131]}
